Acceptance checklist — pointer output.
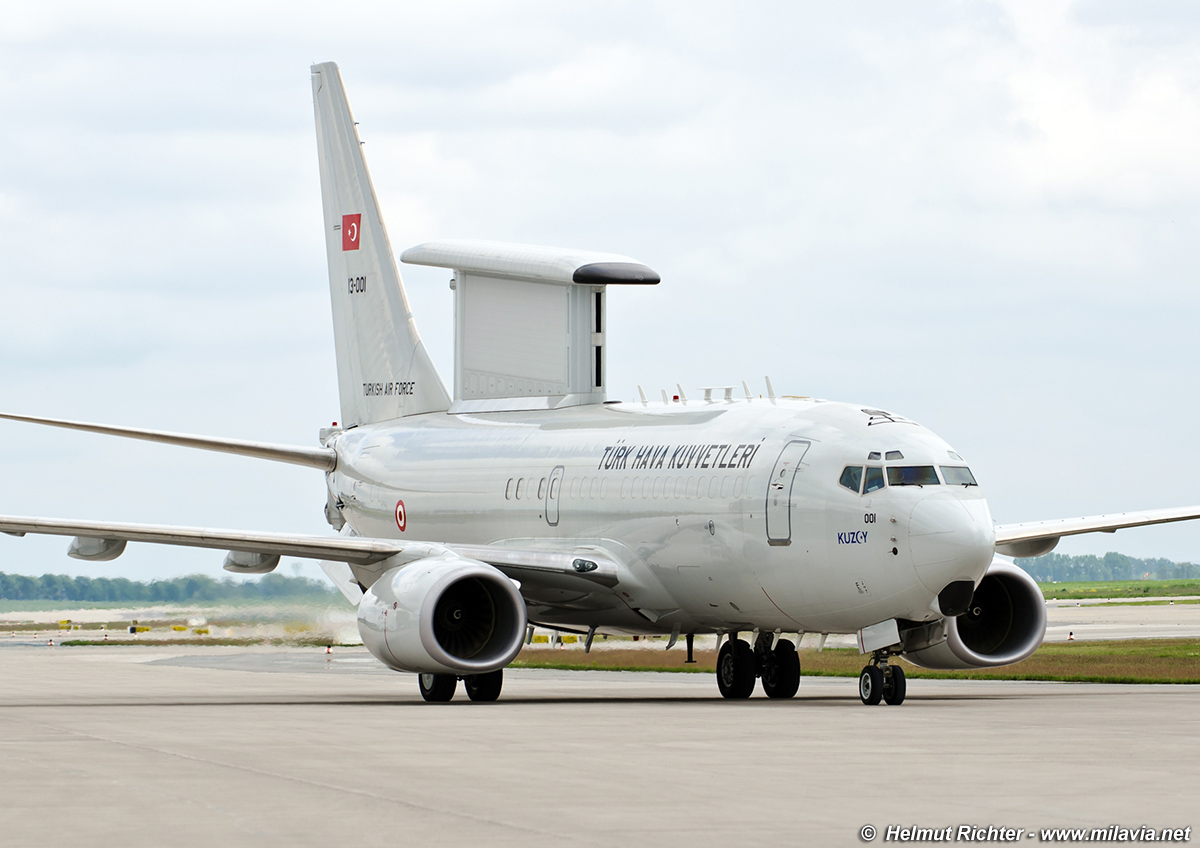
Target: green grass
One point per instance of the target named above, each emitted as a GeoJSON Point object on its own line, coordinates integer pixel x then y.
{"type": "Point", "coordinates": [1140, 661]}
{"type": "Point", "coordinates": [1120, 589]}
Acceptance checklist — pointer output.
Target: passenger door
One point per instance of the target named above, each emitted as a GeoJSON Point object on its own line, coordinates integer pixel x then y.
{"type": "Point", "coordinates": [779, 492]}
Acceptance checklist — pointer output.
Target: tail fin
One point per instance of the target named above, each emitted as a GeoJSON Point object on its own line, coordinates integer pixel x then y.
{"type": "Point", "coordinates": [384, 371]}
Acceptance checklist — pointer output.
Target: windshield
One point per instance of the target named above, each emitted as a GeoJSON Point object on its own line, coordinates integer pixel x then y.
{"type": "Point", "coordinates": [912, 475]}
{"type": "Point", "coordinates": [957, 475]}
{"type": "Point", "coordinates": [874, 479]}
{"type": "Point", "coordinates": [852, 478]}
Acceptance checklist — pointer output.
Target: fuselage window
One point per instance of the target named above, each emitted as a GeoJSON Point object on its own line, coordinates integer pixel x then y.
{"type": "Point", "coordinates": [874, 480]}
{"type": "Point", "coordinates": [957, 475]}
{"type": "Point", "coordinates": [508, 490]}
{"type": "Point", "coordinates": [912, 475]}
{"type": "Point", "coordinates": [646, 486]}
{"type": "Point", "coordinates": [554, 488]}
{"type": "Point", "coordinates": [635, 488]}
{"type": "Point", "coordinates": [541, 488]}
{"type": "Point", "coordinates": [691, 488]}
{"type": "Point", "coordinates": [712, 486]}
{"type": "Point", "coordinates": [725, 486]}
{"type": "Point", "coordinates": [519, 482]}
{"type": "Point", "coordinates": [894, 455]}
{"type": "Point", "coordinates": [852, 478]}
{"type": "Point", "coordinates": [574, 487]}
{"type": "Point", "coordinates": [702, 487]}
{"type": "Point", "coordinates": [658, 487]}
{"type": "Point", "coordinates": [679, 484]}
{"type": "Point", "coordinates": [624, 487]}
{"type": "Point", "coordinates": [737, 487]}
{"type": "Point", "coordinates": [595, 487]}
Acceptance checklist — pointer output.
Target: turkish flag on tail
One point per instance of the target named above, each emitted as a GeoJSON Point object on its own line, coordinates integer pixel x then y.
{"type": "Point", "coordinates": [350, 231]}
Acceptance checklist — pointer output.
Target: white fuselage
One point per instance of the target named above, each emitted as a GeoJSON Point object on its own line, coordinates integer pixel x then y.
{"type": "Point", "coordinates": [724, 515]}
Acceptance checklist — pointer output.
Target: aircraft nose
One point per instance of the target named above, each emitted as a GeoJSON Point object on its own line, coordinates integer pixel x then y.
{"type": "Point", "coordinates": [950, 539]}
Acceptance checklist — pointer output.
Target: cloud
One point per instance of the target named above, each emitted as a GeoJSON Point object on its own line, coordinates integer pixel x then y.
{"type": "Point", "coordinates": [980, 215]}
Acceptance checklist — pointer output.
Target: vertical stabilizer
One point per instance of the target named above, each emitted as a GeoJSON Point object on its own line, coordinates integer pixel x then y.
{"type": "Point", "coordinates": [384, 371]}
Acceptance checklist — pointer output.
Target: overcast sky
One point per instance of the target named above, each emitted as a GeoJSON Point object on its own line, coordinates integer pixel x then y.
{"type": "Point", "coordinates": [980, 216]}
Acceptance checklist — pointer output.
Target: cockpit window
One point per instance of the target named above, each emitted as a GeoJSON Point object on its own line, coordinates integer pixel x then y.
{"type": "Point", "coordinates": [874, 455]}
{"type": "Point", "coordinates": [954, 455]}
{"type": "Point", "coordinates": [957, 475]}
{"type": "Point", "coordinates": [852, 478]}
{"type": "Point", "coordinates": [912, 475]}
{"type": "Point", "coordinates": [874, 480]}
{"type": "Point", "coordinates": [895, 455]}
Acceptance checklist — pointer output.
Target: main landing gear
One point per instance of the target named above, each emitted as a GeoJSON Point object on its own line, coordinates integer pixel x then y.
{"type": "Point", "coordinates": [882, 682]}
{"type": "Point", "coordinates": [739, 665]}
{"type": "Point", "coordinates": [480, 687]}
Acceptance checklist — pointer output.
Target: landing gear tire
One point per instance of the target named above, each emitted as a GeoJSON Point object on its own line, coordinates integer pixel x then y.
{"type": "Point", "coordinates": [484, 687]}
{"type": "Point", "coordinates": [437, 687]}
{"type": "Point", "coordinates": [781, 676]}
{"type": "Point", "coordinates": [870, 685]}
{"type": "Point", "coordinates": [735, 670]}
{"type": "Point", "coordinates": [894, 686]}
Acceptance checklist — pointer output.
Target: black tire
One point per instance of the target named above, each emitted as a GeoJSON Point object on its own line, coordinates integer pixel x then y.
{"type": "Point", "coordinates": [870, 685]}
{"type": "Point", "coordinates": [437, 687]}
{"type": "Point", "coordinates": [895, 686]}
{"type": "Point", "coordinates": [781, 676]}
{"type": "Point", "coordinates": [735, 670]}
{"type": "Point", "coordinates": [484, 687]}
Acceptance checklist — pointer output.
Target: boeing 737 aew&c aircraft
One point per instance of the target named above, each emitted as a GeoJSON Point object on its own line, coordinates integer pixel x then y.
{"type": "Point", "coordinates": [530, 498]}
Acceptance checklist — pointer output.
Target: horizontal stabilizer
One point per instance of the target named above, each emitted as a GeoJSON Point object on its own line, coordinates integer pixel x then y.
{"type": "Point", "coordinates": [321, 458]}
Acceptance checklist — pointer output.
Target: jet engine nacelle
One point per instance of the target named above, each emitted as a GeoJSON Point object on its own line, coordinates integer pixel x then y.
{"type": "Point", "coordinates": [443, 615]}
{"type": "Point", "coordinates": [1004, 623]}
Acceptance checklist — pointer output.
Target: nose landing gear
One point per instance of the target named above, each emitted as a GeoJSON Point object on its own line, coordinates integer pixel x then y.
{"type": "Point", "coordinates": [882, 682]}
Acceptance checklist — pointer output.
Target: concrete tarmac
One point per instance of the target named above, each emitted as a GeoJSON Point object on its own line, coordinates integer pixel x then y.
{"type": "Point", "coordinates": [138, 746]}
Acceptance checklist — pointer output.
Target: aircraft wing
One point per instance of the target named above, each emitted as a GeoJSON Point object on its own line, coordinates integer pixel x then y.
{"type": "Point", "coordinates": [1034, 538]}
{"type": "Point", "coordinates": [534, 569]}
{"type": "Point", "coordinates": [350, 549]}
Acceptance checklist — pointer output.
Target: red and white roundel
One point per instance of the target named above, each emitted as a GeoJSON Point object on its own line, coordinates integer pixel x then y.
{"type": "Point", "coordinates": [401, 516]}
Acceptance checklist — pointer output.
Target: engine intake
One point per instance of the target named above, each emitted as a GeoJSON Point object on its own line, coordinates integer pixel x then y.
{"type": "Point", "coordinates": [1004, 623]}
{"type": "Point", "coordinates": [443, 615]}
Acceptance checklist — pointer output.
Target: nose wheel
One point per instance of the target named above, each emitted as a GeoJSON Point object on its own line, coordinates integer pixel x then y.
{"type": "Point", "coordinates": [882, 682]}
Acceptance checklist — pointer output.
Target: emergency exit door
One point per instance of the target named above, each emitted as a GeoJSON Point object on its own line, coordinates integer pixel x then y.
{"type": "Point", "coordinates": [779, 492]}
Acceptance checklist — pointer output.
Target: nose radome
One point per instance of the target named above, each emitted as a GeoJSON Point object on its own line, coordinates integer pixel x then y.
{"type": "Point", "coordinates": [950, 539]}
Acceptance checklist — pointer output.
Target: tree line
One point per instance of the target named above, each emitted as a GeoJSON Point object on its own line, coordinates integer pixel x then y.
{"type": "Point", "coordinates": [61, 587]}
{"type": "Point", "coordinates": [1062, 568]}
